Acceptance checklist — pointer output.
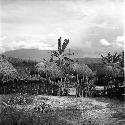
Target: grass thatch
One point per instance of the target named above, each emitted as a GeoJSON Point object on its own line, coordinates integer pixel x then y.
{"type": "Point", "coordinates": [81, 69]}
{"type": "Point", "coordinates": [50, 68]}
{"type": "Point", "coordinates": [41, 67]}
{"type": "Point", "coordinates": [6, 68]}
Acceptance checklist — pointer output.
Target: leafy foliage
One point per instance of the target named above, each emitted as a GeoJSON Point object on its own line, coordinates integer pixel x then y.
{"type": "Point", "coordinates": [111, 59]}
{"type": "Point", "coordinates": [114, 64]}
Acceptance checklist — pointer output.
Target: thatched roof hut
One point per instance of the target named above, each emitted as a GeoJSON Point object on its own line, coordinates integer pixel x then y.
{"type": "Point", "coordinates": [50, 69]}
{"type": "Point", "coordinates": [6, 69]}
{"type": "Point", "coordinates": [81, 69]}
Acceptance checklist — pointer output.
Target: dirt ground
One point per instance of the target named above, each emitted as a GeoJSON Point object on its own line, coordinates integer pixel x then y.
{"type": "Point", "coordinates": [71, 110]}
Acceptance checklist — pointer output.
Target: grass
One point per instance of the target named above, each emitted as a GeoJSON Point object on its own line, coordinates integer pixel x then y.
{"type": "Point", "coordinates": [10, 115]}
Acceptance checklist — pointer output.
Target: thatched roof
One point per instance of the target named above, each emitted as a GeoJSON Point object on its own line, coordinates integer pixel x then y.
{"type": "Point", "coordinates": [50, 68]}
{"type": "Point", "coordinates": [6, 68]}
{"type": "Point", "coordinates": [41, 66]}
{"type": "Point", "coordinates": [81, 69]}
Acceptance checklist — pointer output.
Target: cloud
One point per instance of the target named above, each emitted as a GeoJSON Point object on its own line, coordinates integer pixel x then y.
{"type": "Point", "coordinates": [89, 24]}
{"type": "Point", "coordinates": [2, 38]}
{"type": "Point", "coordinates": [116, 44]}
{"type": "Point", "coordinates": [1, 44]}
{"type": "Point", "coordinates": [27, 43]}
{"type": "Point", "coordinates": [104, 42]}
{"type": "Point", "coordinates": [2, 50]}
{"type": "Point", "coordinates": [119, 41]}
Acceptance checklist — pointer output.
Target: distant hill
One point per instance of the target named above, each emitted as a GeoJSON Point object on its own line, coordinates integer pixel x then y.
{"type": "Point", "coordinates": [38, 55]}
{"type": "Point", "coordinates": [32, 54]}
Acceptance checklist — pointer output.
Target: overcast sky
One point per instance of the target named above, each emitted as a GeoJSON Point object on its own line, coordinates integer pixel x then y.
{"type": "Point", "coordinates": [93, 26]}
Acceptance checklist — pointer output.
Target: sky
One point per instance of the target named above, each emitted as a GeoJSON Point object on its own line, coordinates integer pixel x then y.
{"type": "Point", "coordinates": [92, 26]}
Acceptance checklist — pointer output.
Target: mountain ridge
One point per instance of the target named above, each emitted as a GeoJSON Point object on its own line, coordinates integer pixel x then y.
{"type": "Point", "coordinates": [38, 55]}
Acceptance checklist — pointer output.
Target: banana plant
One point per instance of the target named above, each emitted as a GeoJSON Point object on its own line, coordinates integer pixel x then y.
{"type": "Point", "coordinates": [60, 53]}
{"type": "Point", "coordinates": [114, 65]}
{"type": "Point", "coordinates": [112, 59]}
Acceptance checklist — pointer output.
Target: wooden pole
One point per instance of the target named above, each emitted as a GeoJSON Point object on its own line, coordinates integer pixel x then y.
{"type": "Point", "coordinates": [83, 86]}
{"type": "Point", "coordinates": [77, 85]}
{"type": "Point", "coordinates": [59, 88]}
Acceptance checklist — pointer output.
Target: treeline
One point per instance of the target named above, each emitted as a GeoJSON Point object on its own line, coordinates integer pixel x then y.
{"type": "Point", "coordinates": [21, 62]}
